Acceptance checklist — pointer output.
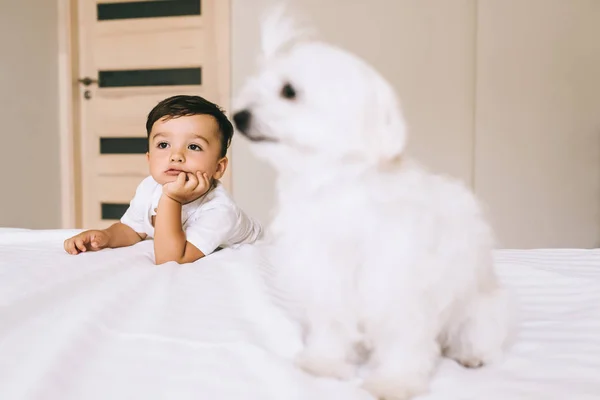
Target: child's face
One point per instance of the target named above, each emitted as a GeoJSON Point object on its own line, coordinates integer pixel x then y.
{"type": "Point", "coordinates": [189, 144]}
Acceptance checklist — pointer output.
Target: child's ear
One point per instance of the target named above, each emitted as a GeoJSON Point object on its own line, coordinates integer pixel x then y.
{"type": "Point", "coordinates": [221, 167]}
{"type": "Point", "coordinates": [148, 156]}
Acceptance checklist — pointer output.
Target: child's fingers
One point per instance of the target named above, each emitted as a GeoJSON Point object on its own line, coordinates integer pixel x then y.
{"type": "Point", "coordinates": [70, 246]}
{"type": "Point", "coordinates": [203, 178]}
{"type": "Point", "coordinates": [181, 178]}
{"type": "Point", "coordinates": [200, 178]}
{"type": "Point", "coordinates": [79, 243]}
{"type": "Point", "coordinates": [192, 182]}
{"type": "Point", "coordinates": [202, 182]}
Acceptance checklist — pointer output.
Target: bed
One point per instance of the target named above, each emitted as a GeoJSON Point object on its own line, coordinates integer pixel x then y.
{"type": "Point", "coordinates": [111, 325]}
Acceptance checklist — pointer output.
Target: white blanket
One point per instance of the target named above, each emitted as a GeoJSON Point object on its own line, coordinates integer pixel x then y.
{"type": "Point", "coordinates": [111, 325]}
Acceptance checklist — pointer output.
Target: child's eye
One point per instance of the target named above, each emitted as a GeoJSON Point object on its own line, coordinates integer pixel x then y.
{"type": "Point", "coordinates": [194, 147]}
{"type": "Point", "coordinates": [162, 145]}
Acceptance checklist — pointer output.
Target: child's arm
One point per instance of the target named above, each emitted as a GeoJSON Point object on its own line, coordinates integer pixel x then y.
{"type": "Point", "coordinates": [117, 235]}
{"type": "Point", "coordinates": [170, 243]}
{"type": "Point", "coordinates": [121, 235]}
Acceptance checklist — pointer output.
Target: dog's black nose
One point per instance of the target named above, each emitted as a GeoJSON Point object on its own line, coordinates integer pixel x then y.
{"type": "Point", "coordinates": [242, 120]}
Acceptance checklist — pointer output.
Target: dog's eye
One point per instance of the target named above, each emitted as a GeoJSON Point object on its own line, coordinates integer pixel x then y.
{"type": "Point", "coordinates": [288, 92]}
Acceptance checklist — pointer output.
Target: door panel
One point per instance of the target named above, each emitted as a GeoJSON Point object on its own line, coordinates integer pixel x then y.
{"type": "Point", "coordinates": [122, 112]}
{"type": "Point", "coordinates": [119, 46]}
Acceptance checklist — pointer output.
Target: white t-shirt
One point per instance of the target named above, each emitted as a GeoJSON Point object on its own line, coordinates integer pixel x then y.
{"type": "Point", "coordinates": [209, 222]}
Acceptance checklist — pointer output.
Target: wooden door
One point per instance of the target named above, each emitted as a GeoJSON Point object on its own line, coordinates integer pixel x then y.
{"type": "Point", "coordinates": [132, 54]}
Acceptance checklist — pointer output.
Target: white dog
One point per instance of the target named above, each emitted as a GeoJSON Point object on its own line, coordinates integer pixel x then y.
{"type": "Point", "coordinates": [386, 261]}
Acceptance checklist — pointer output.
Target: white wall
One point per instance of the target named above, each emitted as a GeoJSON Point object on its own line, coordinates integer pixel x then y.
{"type": "Point", "coordinates": [503, 94]}
{"type": "Point", "coordinates": [29, 150]}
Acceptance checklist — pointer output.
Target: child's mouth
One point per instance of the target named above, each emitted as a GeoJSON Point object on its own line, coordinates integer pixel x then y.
{"type": "Point", "coordinates": [173, 172]}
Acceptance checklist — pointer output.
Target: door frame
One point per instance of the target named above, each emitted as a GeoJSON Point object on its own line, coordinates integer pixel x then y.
{"type": "Point", "coordinates": [69, 102]}
{"type": "Point", "coordinates": [68, 110]}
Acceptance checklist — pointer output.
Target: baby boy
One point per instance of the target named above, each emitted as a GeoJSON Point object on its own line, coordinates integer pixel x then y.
{"type": "Point", "coordinates": [182, 205]}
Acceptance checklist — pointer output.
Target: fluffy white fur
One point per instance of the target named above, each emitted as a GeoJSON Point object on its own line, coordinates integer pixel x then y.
{"type": "Point", "coordinates": [389, 265]}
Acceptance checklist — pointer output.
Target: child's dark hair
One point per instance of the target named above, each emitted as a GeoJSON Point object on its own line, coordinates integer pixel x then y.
{"type": "Point", "coordinates": [182, 105]}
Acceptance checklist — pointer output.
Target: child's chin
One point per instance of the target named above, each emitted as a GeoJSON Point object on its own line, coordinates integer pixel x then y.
{"type": "Point", "coordinates": [162, 179]}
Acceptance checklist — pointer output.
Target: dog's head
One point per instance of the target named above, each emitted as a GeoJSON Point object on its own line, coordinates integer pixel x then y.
{"type": "Point", "coordinates": [313, 101]}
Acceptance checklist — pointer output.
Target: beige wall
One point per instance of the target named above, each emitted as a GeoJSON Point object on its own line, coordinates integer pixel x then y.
{"type": "Point", "coordinates": [29, 164]}
{"type": "Point", "coordinates": [538, 120]}
{"type": "Point", "coordinates": [252, 180]}
{"type": "Point", "coordinates": [503, 94]}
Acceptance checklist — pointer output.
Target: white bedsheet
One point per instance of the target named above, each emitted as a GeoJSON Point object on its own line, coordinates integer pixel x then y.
{"type": "Point", "coordinates": [111, 325]}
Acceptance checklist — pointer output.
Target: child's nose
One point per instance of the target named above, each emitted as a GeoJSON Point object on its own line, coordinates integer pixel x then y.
{"type": "Point", "coordinates": [177, 157]}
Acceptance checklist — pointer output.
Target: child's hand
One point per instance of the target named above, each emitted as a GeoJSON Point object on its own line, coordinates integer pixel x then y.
{"type": "Point", "coordinates": [92, 240]}
{"type": "Point", "coordinates": [185, 191]}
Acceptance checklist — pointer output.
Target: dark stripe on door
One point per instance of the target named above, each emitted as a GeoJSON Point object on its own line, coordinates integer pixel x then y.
{"type": "Point", "coordinates": [150, 77]}
{"type": "Point", "coordinates": [148, 9]}
{"type": "Point", "coordinates": [124, 145]}
{"type": "Point", "coordinates": [113, 210]}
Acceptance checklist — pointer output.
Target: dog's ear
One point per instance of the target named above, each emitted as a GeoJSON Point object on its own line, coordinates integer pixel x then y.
{"type": "Point", "coordinates": [387, 133]}
{"type": "Point", "coordinates": [280, 31]}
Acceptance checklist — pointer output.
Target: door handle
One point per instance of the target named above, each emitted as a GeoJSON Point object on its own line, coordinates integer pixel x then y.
{"type": "Point", "coordinates": [87, 81]}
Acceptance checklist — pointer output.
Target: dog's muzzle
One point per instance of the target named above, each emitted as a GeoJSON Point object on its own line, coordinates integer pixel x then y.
{"type": "Point", "coordinates": [243, 121]}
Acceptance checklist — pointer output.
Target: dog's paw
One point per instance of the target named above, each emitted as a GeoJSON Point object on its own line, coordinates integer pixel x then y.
{"type": "Point", "coordinates": [465, 358]}
{"type": "Point", "coordinates": [325, 367]}
{"type": "Point", "coordinates": [396, 387]}
{"type": "Point", "coordinates": [470, 362]}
